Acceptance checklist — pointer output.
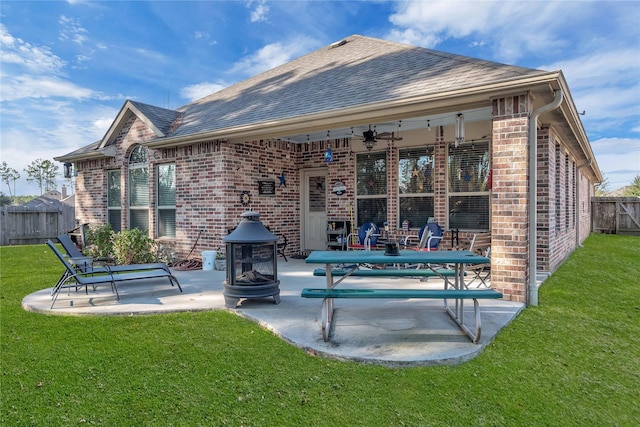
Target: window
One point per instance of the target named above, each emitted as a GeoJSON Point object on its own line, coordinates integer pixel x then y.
{"type": "Point", "coordinates": [468, 173]}
{"type": "Point", "coordinates": [138, 189]}
{"type": "Point", "coordinates": [558, 187]}
{"type": "Point", "coordinates": [166, 200]}
{"type": "Point", "coordinates": [114, 195]}
{"type": "Point", "coordinates": [371, 188]}
{"type": "Point", "coordinates": [415, 185]}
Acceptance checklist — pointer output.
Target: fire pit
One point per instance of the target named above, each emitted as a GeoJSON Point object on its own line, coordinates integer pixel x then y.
{"type": "Point", "coordinates": [251, 262]}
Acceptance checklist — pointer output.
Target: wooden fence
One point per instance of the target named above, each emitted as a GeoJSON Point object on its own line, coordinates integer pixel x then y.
{"type": "Point", "coordinates": [615, 215]}
{"type": "Point", "coordinates": [21, 225]}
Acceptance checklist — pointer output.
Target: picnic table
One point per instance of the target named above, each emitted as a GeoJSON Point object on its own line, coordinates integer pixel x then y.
{"type": "Point", "coordinates": [351, 261]}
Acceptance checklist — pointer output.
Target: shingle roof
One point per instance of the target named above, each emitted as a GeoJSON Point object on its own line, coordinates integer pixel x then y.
{"type": "Point", "coordinates": [362, 70]}
{"type": "Point", "coordinates": [161, 118]}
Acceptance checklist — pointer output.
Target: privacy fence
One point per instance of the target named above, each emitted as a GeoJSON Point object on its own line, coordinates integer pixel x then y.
{"type": "Point", "coordinates": [615, 215]}
{"type": "Point", "coordinates": [20, 225]}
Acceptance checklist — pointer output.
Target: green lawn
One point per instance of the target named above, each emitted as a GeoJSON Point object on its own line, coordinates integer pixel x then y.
{"type": "Point", "coordinates": [573, 360]}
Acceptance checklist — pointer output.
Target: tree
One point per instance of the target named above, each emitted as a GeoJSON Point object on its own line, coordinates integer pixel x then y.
{"type": "Point", "coordinates": [5, 200]}
{"type": "Point", "coordinates": [602, 188]}
{"type": "Point", "coordinates": [634, 188]}
{"type": "Point", "coordinates": [43, 172]}
{"type": "Point", "coordinates": [9, 174]}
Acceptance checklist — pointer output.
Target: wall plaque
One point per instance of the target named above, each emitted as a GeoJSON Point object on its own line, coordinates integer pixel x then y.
{"type": "Point", "coordinates": [266, 188]}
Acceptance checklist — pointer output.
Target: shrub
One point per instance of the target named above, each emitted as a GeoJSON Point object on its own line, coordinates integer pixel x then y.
{"type": "Point", "coordinates": [100, 241]}
{"type": "Point", "coordinates": [133, 247]}
{"type": "Point", "coordinates": [164, 254]}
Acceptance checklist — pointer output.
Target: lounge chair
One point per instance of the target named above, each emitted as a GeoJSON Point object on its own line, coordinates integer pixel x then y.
{"type": "Point", "coordinates": [85, 264]}
{"type": "Point", "coordinates": [74, 278]}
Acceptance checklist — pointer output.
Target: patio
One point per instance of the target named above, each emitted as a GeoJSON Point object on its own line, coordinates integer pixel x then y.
{"type": "Point", "coordinates": [391, 333]}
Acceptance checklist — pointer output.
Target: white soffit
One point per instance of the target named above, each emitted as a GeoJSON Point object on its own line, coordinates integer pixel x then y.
{"type": "Point", "coordinates": [414, 123]}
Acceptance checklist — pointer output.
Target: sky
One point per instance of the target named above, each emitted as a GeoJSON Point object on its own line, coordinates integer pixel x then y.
{"type": "Point", "coordinates": [67, 67]}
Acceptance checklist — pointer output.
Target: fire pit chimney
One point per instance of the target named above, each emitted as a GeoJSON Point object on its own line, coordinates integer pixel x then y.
{"type": "Point", "coordinates": [251, 262]}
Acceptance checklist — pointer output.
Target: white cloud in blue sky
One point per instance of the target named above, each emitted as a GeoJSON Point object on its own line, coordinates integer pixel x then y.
{"type": "Point", "coordinates": [67, 67]}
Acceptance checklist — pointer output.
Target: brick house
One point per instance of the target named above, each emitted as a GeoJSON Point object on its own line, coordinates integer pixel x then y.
{"type": "Point", "coordinates": [453, 139]}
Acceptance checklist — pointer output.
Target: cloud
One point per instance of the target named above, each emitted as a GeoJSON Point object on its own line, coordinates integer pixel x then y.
{"type": "Point", "coordinates": [273, 55]}
{"type": "Point", "coordinates": [25, 86]}
{"type": "Point", "coordinates": [259, 13]}
{"type": "Point", "coordinates": [511, 28]}
{"type": "Point", "coordinates": [49, 128]}
{"type": "Point", "coordinates": [36, 59]}
{"type": "Point", "coordinates": [200, 90]}
{"type": "Point", "coordinates": [618, 159]}
{"type": "Point", "coordinates": [605, 85]}
{"type": "Point", "coordinates": [72, 30]}
{"type": "Point", "coordinates": [608, 67]}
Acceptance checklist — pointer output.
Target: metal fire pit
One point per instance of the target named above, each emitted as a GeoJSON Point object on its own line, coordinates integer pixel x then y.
{"type": "Point", "coordinates": [251, 262]}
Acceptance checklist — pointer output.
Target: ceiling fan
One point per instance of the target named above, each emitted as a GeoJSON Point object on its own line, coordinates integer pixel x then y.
{"type": "Point", "coordinates": [371, 136]}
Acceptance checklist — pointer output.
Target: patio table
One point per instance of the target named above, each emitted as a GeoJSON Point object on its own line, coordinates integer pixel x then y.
{"type": "Point", "coordinates": [454, 286]}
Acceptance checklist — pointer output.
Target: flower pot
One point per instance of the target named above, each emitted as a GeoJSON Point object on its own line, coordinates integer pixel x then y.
{"type": "Point", "coordinates": [220, 265]}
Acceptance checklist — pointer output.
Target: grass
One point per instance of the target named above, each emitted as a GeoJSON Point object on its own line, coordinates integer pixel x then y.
{"type": "Point", "coordinates": [573, 360]}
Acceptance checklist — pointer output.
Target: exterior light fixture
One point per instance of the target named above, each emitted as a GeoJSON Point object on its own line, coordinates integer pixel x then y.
{"type": "Point", "coordinates": [429, 125]}
{"type": "Point", "coordinates": [459, 129]}
{"type": "Point", "coordinates": [369, 138]}
{"type": "Point", "coordinates": [68, 170]}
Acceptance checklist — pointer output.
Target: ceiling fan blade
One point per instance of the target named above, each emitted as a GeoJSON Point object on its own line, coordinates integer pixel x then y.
{"type": "Point", "coordinates": [388, 136]}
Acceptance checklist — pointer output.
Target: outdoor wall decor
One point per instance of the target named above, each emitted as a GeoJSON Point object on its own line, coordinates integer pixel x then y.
{"type": "Point", "coordinates": [339, 188]}
{"type": "Point", "coordinates": [328, 155]}
{"type": "Point", "coordinates": [245, 198]}
{"type": "Point", "coordinates": [283, 180]}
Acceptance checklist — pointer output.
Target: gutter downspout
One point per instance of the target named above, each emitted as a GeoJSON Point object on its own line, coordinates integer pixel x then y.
{"type": "Point", "coordinates": [533, 194]}
{"type": "Point", "coordinates": [577, 210]}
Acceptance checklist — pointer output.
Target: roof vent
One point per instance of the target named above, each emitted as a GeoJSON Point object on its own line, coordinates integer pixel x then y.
{"type": "Point", "coordinates": [337, 44]}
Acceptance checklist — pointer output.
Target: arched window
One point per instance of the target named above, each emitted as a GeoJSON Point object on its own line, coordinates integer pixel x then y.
{"type": "Point", "coordinates": [139, 189]}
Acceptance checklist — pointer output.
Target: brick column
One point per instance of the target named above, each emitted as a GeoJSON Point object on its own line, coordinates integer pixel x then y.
{"type": "Point", "coordinates": [509, 203]}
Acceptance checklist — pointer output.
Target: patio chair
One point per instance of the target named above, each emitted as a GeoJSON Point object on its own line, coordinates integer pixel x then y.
{"type": "Point", "coordinates": [428, 238]}
{"type": "Point", "coordinates": [281, 245]}
{"type": "Point", "coordinates": [480, 244]}
{"type": "Point", "coordinates": [76, 279]}
{"type": "Point", "coordinates": [367, 236]}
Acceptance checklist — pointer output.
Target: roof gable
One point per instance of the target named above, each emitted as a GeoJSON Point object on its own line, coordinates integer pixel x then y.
{"type": "Point", "coordinates": [160, 120]}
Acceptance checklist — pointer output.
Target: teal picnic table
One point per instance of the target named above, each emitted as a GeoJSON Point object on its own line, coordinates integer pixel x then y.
{"type": "Point", "coordinates": [454, 284]}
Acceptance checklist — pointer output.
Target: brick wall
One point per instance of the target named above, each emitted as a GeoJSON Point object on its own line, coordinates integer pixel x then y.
{"type": "Point", "coordinates": [561, 222]}
{"type": "Point", "coordinates": [210, 177]}
{"type": "Point", "coordinates": [509, 230]}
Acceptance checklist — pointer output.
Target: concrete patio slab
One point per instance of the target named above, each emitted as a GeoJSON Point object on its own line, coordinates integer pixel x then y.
{"type": "Point", "coordinates": [403, 332]}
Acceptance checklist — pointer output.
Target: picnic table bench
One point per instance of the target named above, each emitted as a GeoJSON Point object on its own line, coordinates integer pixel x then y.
{"type": "Point", "coordinates": [453, 289]}
{"type": "Point", "coordinates": [387, 272]}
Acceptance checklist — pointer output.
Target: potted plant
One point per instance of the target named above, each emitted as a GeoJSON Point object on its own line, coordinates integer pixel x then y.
{"type": "Point", "coordinates": [220, 263]}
